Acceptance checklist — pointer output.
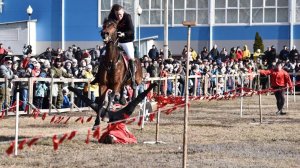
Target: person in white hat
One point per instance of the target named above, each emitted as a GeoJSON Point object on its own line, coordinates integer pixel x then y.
{"type": "Point", "coordinates": [5, 72]}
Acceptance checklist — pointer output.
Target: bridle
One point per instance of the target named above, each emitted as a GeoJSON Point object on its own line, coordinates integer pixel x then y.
{"type": "Point", "coordinates": [108, 36]}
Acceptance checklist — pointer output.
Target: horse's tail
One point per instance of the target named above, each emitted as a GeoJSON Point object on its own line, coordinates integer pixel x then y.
{"type": "Point", "coordinates": [85, 99]}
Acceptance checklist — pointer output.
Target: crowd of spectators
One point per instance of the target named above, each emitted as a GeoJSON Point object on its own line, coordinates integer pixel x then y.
{"type": "Point", "coordinates": [208, 63]}
{"type": "Point", "coordinates": [72, 63]}
{"type": "Point", "coordinates": [78, 63]}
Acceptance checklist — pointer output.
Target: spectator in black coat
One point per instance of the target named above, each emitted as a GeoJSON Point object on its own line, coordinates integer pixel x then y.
{"type": "Point", "coordinates": [204, 54]}
{"type": "Point", "coordinates": [284, 54]}
{"type": "Point", "coordinates": [153, 53]}
{"type": "Point", "coordinates": [294, 54]}
{"type": "Point", "coordinates": [78, 54]}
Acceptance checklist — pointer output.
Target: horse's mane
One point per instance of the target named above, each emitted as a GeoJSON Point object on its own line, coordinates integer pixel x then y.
{"type": "Point", "coordinates": [109, 20]}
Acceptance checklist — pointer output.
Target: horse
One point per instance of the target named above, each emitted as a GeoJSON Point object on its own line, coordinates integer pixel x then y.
{"type": "Point", "coordinates": [113, 72]}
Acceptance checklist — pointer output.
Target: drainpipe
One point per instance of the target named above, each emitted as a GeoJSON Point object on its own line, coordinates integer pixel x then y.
{"type": "Point", "coordinates": [211, 23]}
{"type": "Point", "coordinates": [63, 24]}
{"type": "Point", "coordinates": [292, 4]}
{"type": "Point", "coordinates": [166, 30]}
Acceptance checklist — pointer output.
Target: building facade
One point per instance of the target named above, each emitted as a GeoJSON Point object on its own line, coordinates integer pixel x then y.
{"type": "Point", "coordinates": [227, 23]}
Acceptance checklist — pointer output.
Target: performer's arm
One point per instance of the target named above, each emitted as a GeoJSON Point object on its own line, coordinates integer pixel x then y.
{"type": "Point", "coordinates": [265, 72]}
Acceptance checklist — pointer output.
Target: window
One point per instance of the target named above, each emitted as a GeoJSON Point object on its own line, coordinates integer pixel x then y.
{"type": "Point", "coordinates": [153, 11]}
{"type": "Point", "coordinates": [226, 11]}
{"type": "Point", "coordinates": [232, 11]}
{"type": "Point", "coordinates": [263, 11]}
{"type": "Point", "coordinates": [298, 11]}
{"type": "Point", "coordinates": [270, 11]}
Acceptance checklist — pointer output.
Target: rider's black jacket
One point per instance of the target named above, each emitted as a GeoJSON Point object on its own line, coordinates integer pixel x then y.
{"type": "Point", "coordinates": [126, 26]}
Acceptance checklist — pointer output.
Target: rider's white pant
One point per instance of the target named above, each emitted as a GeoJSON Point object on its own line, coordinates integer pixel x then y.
{"type": "Point", "coordinates": [129, 49]}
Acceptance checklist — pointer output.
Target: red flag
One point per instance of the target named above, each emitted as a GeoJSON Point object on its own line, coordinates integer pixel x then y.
{"type": "Point", "coordinates": [89, 119]}
{"type": "Point", "coordinates": [140, 120]}
{"type": "Point", "coordinates": [32, 141]}
{"type": "Point", "coordinates": [61, 140]}
{"type": "Point", "coordinates": [2, 115]}
{"type": "Point", "coordinates": [60, 120]}
{"type": "Point", "coordinates": [13, 106]}
{"type": "Point", "coordinates": [67, 120]}
{"type": "Point", "coordinates": [57, 120]}
{"type": "Point", "coordinates": [96, 133]}
{"type": "Point", "coordinates": [78, 119]}
{"type": "Point", "coordinates": [169, 111]}
{"type": "Point", "coordinates": [21, 144]}
{"type": "Point", "coordinates": [151, 117]}
{"type": "Point", "coordinates": [10, 149]}
{"type": "Point", "coordinates": [44, 116]}
{"type": "Point", "coordinates": [130, 121]}
{"type": "Point", "coordinates": [72, 135]}
{"type": "Point", "coordinates": [53, 118]}
{"type": "Point", "coordinates": [87, 141]}
{"type": "Point", "coordinates": [35, 113]}
{"type": "Point", "coordinates": [26, 108]}
{"type": "Point", "coordinates": [55, 142]}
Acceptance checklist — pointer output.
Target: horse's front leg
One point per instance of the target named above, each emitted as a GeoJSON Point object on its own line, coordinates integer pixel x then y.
{"type": "Point", "coordinates": [102, 91]}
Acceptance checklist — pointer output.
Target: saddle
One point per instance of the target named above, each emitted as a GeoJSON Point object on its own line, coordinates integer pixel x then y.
{"type": "Point", "coordinates": [125, 58]}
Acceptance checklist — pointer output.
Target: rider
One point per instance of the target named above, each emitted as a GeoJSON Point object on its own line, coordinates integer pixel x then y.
{"type": "Point", "coordinates": [125, 30]}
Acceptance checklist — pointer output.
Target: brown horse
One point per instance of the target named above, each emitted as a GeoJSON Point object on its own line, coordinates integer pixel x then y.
{"type": "Point", "coordinates": [112, 72]}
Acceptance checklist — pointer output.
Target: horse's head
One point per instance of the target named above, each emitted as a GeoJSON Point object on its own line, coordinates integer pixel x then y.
{"type": "Point", "coordinates": [109, 31]}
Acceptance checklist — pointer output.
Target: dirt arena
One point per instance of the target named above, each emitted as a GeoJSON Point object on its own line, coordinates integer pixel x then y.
{"type": "Point", "coordinates": [217, 137]}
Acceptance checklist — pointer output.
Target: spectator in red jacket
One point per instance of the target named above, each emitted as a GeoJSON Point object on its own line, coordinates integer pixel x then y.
{"type": "Point", "coordinates": [279, 80]}
{"type": "Point", "coordinates": [3, 51]}
{"type": "Point", "coordinates": [239, 54]}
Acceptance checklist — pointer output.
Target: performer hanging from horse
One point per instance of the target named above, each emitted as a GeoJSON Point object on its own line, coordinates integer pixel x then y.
{"type": "Point", "coordinates": [118, 31]}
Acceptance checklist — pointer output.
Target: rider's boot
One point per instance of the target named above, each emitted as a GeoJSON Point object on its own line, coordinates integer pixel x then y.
{"type": "Point", "coordinates": [132, 69]}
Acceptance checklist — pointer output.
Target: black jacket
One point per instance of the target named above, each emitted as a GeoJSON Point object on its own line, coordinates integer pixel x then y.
{"type": "Point", "coordinates": [126, 26]}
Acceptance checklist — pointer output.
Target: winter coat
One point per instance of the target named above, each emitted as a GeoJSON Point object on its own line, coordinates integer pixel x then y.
{"type": "Point", "coordinates": [125, 26]}
{"type": "Point", "coordinates": [40, 89]}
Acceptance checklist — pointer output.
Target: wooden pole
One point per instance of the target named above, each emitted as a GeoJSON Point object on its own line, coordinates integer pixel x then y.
{"type": "Point", "coordinates": [242, 92]}
{"type": "Point", "coordinates": [260, 106]}
{"type": "Point", "coordinates": [294, 83]}
{"type": "Point", "coordinates": [72, 96]}
{"type": "Point", "coordinates": [17, 125]}
{"type": "Point", "coordinates": [217, 83]}
{"type": "Point", "coordinates": [225, 82]}
{"type": "Point", "coordinates": [157, 116]}
{"type": "Point", "coordinates": [287, 97]}
{"type": "Point", "coordinates": [50, 98]}
{"type": "Point", "coordinates": [30, 94]}
{"type": "Point", "coordinates": [195, 85]}
{"type": "Point", "coordinates": [186, 110]}
{"type": "Point", "coordinates": [269, 84]}
{"type": "Point", "coordinates": [144, 110]}
{"type": "Point", "coordinates": [6, 97]}
{"type": "Point", "coordinates": [175, 84]}
{"type": "Point", "coordinates": [157, 126]}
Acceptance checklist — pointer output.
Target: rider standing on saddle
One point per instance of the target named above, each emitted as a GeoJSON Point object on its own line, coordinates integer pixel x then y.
{"type": "Point", "coordinates": [125, 30]}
